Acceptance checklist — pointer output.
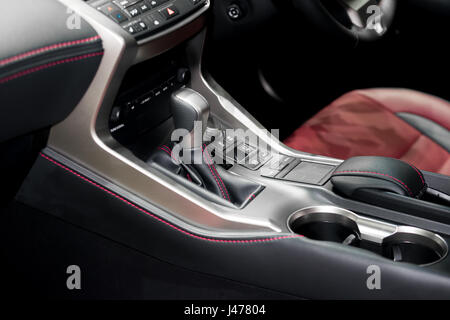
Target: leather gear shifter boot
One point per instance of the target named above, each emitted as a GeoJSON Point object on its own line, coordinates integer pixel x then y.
{"type": "Point", "coordinates": [206, 175]}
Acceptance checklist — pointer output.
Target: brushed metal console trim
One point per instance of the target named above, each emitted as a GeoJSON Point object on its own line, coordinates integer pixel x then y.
{"type": "Point", "coordinates": [228, 110]}
{"type": "Point", "coordinates": [84, 136]}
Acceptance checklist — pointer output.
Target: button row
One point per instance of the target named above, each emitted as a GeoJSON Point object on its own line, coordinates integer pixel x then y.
{"type": "Point", "coordinates": [121, 113]}
{"type": "Point", "coordinates": [144, 6]}
{"type": "Point", "coordinates": [133, 8]}
{"type": "Point", "coordinates": [130, 13]}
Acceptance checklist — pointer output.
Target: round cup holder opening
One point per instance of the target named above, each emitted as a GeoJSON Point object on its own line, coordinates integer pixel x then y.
{"type": "Point", "coordinates": [326, 226]}
{"type": "Point", "coordinates": [414, 246]}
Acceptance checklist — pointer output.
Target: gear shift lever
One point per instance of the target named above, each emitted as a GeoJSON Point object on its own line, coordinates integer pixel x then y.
{"type": "Point", "coordinates": [190, 110]}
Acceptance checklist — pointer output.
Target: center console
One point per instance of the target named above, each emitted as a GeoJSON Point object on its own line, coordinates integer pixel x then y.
{"type": "Point", "coordinates": [274, 210]}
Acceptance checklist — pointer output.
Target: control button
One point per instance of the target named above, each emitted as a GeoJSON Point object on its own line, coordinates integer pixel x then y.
{"type": "Point", "coordinates": [134, 11]}
{"type": "Point", "coordinates": [118, 16]}
{"type": "Point", "coordinates": [194, 2]}
{"type": "Point", "coordinates": [154, 20]}
{"type": "Point", "coordinates": [126, 3]}
{"type": "Point", "coordinates": [115, 114]}
{"type": "Point", "coordinates": [241, 152]}
{"type": "Point", "coordinates": [165, 87]}
{"type": "Point", "coordinates": [132, 29]}
{"type": "Point", "coordinates": [245, 149]}
{"type": "Point", "coordinates": [280, 162]}
{"type": "Point", "coordinates": [130, 107]}
{"type": "Point", "coordinates": [170, 12]}
{"type": "Point", "coordinates": [252, 163]}
{"type": "Point", "coordinates": [183, 75]}
{"type": "Point", "coordinates": [142, 25]}
{"type": "Point", "coordinates": [265, 156]}
{"type": "Point", "coordinates": [144, 7]}
{"type": "Point", "coordinates": [267, 172]}
{"type": "Point", "coordinates": [171, 82]}
{"type": "Point", "coordinates": [146, 98]}
{"type": "Point", "coordinates": [137, 27]}
{"type": "Point", "coordinates": [108, 8]}
{"type": "Point", "coordinates": [156, 3]}
{"type": "Point", "coordinates": [157, 92]}
{"type": "Point", "coordinates": [234, 12]}
{"type": "Point", "coordinates": [230, 140]}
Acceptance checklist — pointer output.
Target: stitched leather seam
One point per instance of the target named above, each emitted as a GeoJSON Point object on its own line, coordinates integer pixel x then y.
{"type": "Point", "coordinates": [377, 173]}
{"type": "Point", "coordinates": [212, 173]}
{"type": "Point", "coordinates": [169, 152]}
{"type": "Point", "coordinates": [227, 241]}
{"type": "Point", "coordinates": [223, 184]}
{"type": "Point", "coordinates": [49, 65]}
{"type": "Point", "coordinates": [218, 175]}
{"type": "Point", "coordinates": [47, 48]}
{"type": "Point", "coordinates": [419, 173]}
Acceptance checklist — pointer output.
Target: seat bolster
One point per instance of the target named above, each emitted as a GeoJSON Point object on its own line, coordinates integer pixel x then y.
{"type": "Point", "coordinates": [381, 122]}
{"type": "Point", "coordinates": [429, 128]}
{"type": "Point", "coordinates": [409, 101]}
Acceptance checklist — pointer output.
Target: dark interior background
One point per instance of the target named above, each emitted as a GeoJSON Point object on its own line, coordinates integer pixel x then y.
{"type": "Point", "coordinates": [308, 68]}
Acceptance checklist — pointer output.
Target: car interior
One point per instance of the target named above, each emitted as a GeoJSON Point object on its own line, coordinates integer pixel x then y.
{"type": "Point", "coordinates": [225, 149]}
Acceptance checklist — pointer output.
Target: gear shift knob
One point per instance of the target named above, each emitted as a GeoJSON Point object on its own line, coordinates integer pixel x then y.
{"type": "Point", "coordinates": [190, 110]}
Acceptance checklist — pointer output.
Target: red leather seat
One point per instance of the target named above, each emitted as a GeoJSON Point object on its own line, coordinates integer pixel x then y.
{"type": "Point", "coordinates": [398, 123]}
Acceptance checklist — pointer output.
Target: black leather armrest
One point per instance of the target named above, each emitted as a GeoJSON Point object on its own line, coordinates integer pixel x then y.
{"type": "Point", "coordinates": [48, 58]}
{"type": "Point", "coordinates": [378, 173]}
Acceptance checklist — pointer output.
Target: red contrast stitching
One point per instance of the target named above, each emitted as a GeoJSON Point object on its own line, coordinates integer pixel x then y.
{"type": "Point", "coordinates": [381, 174]}
{"type": "Point", "coordinates": [161, 148]}
{"type": "Point", "coordinates": [47, 48]}
{"type": "Point", "coordinates": [218, 175]}
{"type": "Point", "coordinates": [169, 152]}
{"type": "Point", "coordinates": [212, 173]}
{"type": "Point", "coordinates": [419, 173]}
{"type": "Point", "coordinates": [160, 219]}
{"type": "Point", "coordinates": [49, 65]}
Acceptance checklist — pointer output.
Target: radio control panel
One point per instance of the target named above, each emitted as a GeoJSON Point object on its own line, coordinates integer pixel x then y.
{"type": "Point", "coordinates": [142, 18]}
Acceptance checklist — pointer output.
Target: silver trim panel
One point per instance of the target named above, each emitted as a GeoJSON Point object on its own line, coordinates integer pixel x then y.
{"type": "Point", "coordinates": [85, 139]}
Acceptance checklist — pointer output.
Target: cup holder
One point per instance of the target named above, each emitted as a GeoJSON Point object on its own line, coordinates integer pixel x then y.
{"type": "Point", "coordinates": [397, 243]}
{"type": "Point", "coordinates": [326, 226]}
{"type": "Point", "coordinates": [414, 246]}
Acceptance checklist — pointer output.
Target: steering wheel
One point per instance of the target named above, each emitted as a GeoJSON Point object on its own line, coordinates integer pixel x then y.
{"type": "Point", "coordinates": [359, 20]}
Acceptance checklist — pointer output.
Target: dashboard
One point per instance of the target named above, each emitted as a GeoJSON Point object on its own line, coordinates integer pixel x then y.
{"type": "Point", "coordinates": [142, 18]}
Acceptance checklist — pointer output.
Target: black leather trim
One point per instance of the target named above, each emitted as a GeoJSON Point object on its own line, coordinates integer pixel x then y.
{"type": "Point", "coordinates": [45, 66]}
{"type": "Point", "coordinates": [298, 266]}
{"type": "Point", "coordinates": [379, 173]}
{"type": "Point", "coordinates": [206, 175]}
{"type": "Point", "coordinates": [431, 129]}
